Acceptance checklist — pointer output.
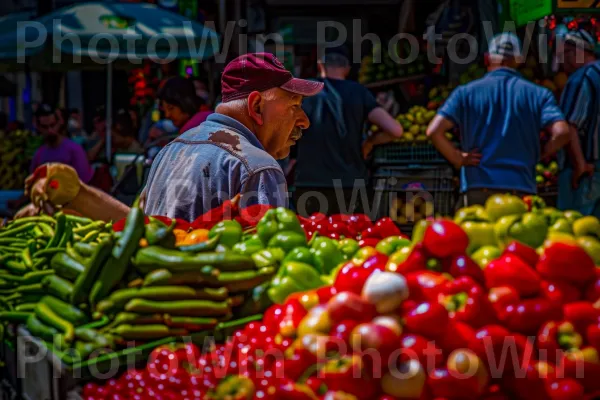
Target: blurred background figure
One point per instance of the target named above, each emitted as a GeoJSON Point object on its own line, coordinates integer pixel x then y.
{"type": "Point", "coordinates": [181, 104]}
{"type": "Point", "coordinates": [57, 147]}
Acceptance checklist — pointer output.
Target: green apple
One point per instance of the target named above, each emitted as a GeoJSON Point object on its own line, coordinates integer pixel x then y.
{"type": "Point", "coordinates": [587, 226]}
{"type": "Point", "coordinates": [591, 245]}
{"type": "Point", "coordinates": [480, 234]}
{"type": "Point", "coordinates": [561, 225]}
{"type": "Point", "coordinates": [539, 169]}
{"type": "Point", "coordinates": [553, 167]}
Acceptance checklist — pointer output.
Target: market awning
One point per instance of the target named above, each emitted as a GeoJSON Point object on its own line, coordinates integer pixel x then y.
{"type": "Point", "coordinates": [112, 30]}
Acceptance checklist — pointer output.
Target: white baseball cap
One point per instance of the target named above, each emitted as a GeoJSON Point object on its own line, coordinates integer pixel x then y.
{"type": "Point", "coordinates": [505, 45]}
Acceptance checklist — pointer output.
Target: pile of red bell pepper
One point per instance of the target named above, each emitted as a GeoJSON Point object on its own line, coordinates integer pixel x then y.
{"type": "Point", "coordinates": [428, 325]}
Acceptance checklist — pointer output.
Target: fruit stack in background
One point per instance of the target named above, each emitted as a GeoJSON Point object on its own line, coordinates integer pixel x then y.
{"type": "Point", "coordinates": [16, 152]}
{"type": "Point", "coordinates": [388, 67]}
{"type": "Point", "coordinates": [546, 175]}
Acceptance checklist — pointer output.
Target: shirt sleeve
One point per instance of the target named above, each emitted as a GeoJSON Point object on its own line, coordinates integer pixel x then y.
{"type": "Point", "coordinates": [575, 102]}
{"type": "Point", "coordinates": [81, 164]}
{"type": "Point", "coordinates": [369, 101]}
{"type": "Point", "coordinates": [551, 113]}
{"type": "Point", "coordinates": [265, 187]}
{"type": "Point", "coordinates": [453, 107]}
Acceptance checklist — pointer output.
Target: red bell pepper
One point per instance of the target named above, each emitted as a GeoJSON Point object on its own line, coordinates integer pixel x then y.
{"type": "Point", "coordinates": [560, 292]}
{"type": "Point", "coordinates": [524, 252]}
{"type": "Point", "coordinates": [503, 296]}
{"type": "Point", "coordinates": [555, 338]}
{"type": "Point", "coordinates": [298, 359]}
{"type": "Point", "coordinates": [565, 389]}
{"type": "Point", "coordinates": [416, 261]}
{"type": "Point", "coordinates": [586, 372]}
{"type": "Point", "coordinates": [429, 319]}
{"type": "Point", "coordinates": [463, 265]}
{"type": "Point", "coordinates": [532, 385]}
{"type": "Point", "coordinates": [346, 374]}
{"type": "Point", "coordinates": [351, 278]}
{"type": "Point", "coordinates": [416, 347]}
{"type": "Point", "coordinates": [581, 314]}
{"type": "Point", "coordinates": [358, 223]}
{"type": "Point", "coordinates": [293, 313]}
{"type": "Point", "coordinates": [528, 316]}
{"type": "Point", "coordinates": [425, 285]}
{"type": "Point", "coordinates": [249, 216]}
{"type": "Point", "coordinates": [593, 336]}
{"type": "Point", "coordinates": [494, 343]}
{"type": "Point", "coordinates": [326, 293]}
{"type": "Point", "coordinates": [227, 210]}
{"type": "Point", "coordinates": [567, 262]}
{"type": "Point", "coordinates": [466, 302]}
{"type": "Point", "coordinates": [510, 270]}
{"type": "Point", "coordinates": [385, 227]}
{"type": "Point", "coordinates": [462, 335]}
{"type": "Point", "coordinates": [368, 242]}
{"type": "Point", "coordinates": [442, 384]}
{"type": "Point", "coordinates": [291, 390]}
{"type": "Point", "coordinates": [592, 293]}
{"type": "Point", "coordinates": [445, 238]}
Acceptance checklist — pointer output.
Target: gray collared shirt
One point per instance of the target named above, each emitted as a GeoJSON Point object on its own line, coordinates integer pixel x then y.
{"type": "Point", "coordinates": [210, 164]}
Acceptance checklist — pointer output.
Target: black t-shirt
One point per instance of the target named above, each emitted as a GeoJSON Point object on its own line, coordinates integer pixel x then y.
{"type": "Point", "coordinates": [330, 149]}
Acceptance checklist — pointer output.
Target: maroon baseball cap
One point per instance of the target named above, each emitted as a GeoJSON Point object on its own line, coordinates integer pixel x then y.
{"type": "Point", "coordinates": [258, 72]}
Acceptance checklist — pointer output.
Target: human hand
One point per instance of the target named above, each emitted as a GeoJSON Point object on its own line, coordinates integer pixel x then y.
{"type": "Point", "coordinates": [470, 159]}
{"type": "Point", "coordinates": [579, 172]}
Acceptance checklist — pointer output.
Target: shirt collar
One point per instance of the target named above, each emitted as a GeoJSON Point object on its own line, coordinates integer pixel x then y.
{"type": "Point", "coordinates": [236, 126]}
{"type": "Point", "coordinates": [505, 71]}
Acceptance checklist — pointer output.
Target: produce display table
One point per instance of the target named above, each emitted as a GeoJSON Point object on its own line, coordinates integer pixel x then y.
{"type": "Point", "coordinates": [276, 290]}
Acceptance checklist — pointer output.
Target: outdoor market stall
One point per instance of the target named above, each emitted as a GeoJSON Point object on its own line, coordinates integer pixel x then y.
{"type": "Point", "coordinates": [322, 293]}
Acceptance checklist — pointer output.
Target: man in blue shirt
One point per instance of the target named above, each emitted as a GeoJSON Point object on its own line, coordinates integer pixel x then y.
{"type": "Point", "coordinates": [580, 102]}
{"type": "Point", "coordinates": [499, 116]}
{"type": "Point", "coordinates": [233, 152]}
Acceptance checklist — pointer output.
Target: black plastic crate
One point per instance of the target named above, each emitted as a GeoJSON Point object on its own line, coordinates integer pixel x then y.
{"type": "Point", "coordinates": [404, 154]}
{"type": "Point", "coordinates": [409, 194]}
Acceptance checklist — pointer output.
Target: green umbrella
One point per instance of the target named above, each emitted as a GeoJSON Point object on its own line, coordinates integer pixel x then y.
{"type": "Point", "coordinates": [103, 32]}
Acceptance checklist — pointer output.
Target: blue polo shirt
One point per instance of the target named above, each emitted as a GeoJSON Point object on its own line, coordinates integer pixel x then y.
{"type": "Point", "coordinates": [502, 115]}
{"type": "Point", "coordinates": [210, 164]}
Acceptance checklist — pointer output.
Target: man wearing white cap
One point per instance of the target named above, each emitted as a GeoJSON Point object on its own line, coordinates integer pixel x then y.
{"type": "Point", "coordinates": [580, 102]}
{"type": "Point", "coordinates": [500, 116]}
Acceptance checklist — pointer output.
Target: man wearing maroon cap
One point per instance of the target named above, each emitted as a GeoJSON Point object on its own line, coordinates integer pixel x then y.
{"type": "Point", "coordinates": [232, 152]}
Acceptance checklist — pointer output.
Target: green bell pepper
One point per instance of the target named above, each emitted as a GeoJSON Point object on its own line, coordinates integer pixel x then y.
{"type": "Point", "coordinates": [485, 254]}
{"type": "Point", "coordinates": [572, 215]}
{"type": "Point", "coordinates": [501, 205]}
{"type": "Point", "coordinates": [277, 220]}
{"type": "Point", "coordinates": [529, 228]}
{"type": "Point", "coordinates": [293, 277]}
{"type": "Point", "coordinates": [587, 226]}
{"type": "Point", "coordinates": [419, 230]}
{"type": "Point", "coordinates": [268, 257]}
{"type": "Point", "coordinates": [348, 247]}
{"type": "Point", "coordinates": [391, 244]}
{"type": "Point", "coordinates": [480, 234]}
{"type": "Point", "coordinates": [158, 233]}
{"type": "Point", "coordinates": [230, 231]}
{"type": "Point", "coordinates": [474, 213]}
{"type": "Point", "coordinates": [303, 255]}
{"type": "Point", "coordinates": [552, 215]}
{"type": "Point", "coordinates": [561, 225]}
{"type": "Point", "coordinates": [287, 240]}
{"type": "Point", "coordinates": [249, 246]}
{"type": "Point", "coordinates": [327, 253]}
{"type": "Point", "coordinates": [591, 245]}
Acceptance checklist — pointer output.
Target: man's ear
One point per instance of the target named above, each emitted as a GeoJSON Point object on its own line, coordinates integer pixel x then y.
{"type": "Point", "coordinates": [255, 107]}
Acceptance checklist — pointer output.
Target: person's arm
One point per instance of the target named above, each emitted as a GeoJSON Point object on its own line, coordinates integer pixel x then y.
{"type": "Point", "coordinates": [386, 122]}
{"type": "Point", "coordinates": [436, 132]}
{"type": "Point", "coordinates": [376, 139]}
{"type": "Point", "coordinates": [560, 137]}
{"type": "Point", "coordinates": [92, 153]}
{"type": "Point", "coordinates": [97, 205]}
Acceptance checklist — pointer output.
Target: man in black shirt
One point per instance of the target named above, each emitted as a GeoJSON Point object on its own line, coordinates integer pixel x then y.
{"type": "Point", "coordinates": [330, 168]}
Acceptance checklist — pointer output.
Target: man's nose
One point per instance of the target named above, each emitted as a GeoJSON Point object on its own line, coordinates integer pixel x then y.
{"type": "Point", "coordinates": [303, 121]}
